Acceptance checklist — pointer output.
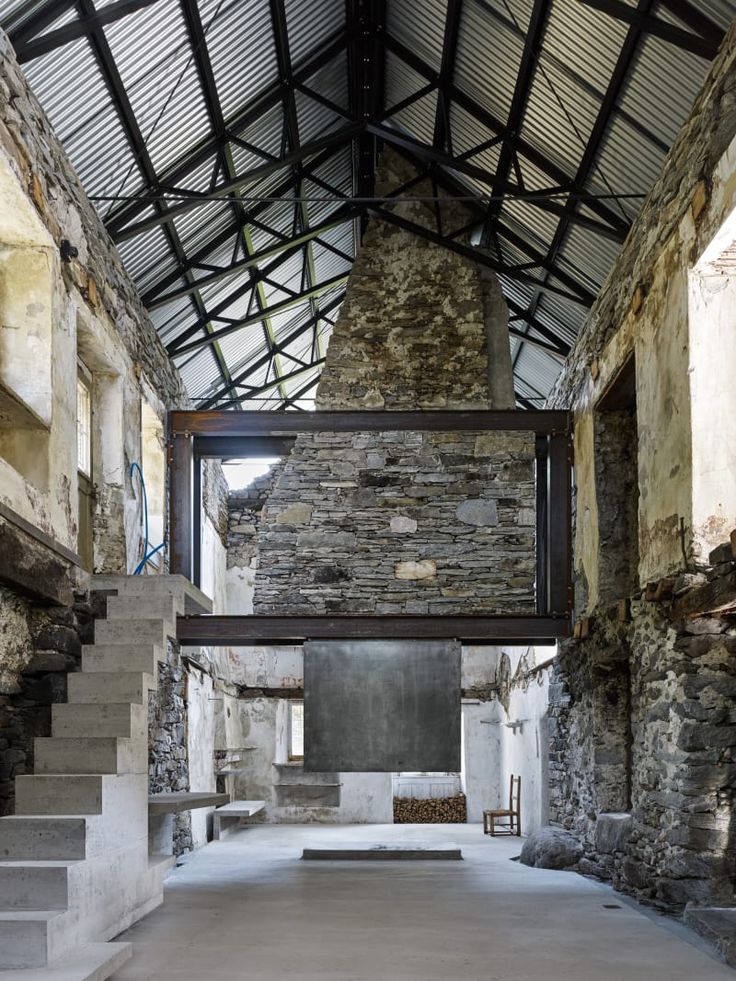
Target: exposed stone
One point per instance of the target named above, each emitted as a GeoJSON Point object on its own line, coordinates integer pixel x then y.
{"type": "Point", "coordinates": [402, 525]}
{"type": "Point", "coordinates": [294, 514]}
{"type": "Point", "coordinates": [424, 569]}
{"type": "Point", "coordinates": [551, 848]}
{"type": "Point", "coordinates": [479, 512]}
{"type": "Point", "coordinates": [612, 832]}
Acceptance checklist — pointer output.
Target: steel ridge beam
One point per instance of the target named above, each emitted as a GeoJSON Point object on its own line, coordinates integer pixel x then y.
{"type": "Point", "coordinates": [696, 44]}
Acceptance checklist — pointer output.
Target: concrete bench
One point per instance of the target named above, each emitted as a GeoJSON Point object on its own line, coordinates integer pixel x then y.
{"type": "Point", "coordinates": [225, 817]}
{"type": "Point", "coordinates": [161, 810]}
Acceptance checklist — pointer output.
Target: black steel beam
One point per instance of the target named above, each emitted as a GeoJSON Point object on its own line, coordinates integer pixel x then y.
{"type": "Point", "coordinates": [27, 50]}
{"type": "Point", "coordinates": [214, 631]}
{"type": "Point", "coordinates": [694, 43]}
{"type": "Point", "coordinates": [255, 110]}
{"type": "Point", "coordinates": [278, 348]}
{"type": "Point", "coordinates": [581, 296]}
{"type": "Point", "coordinates": [316, 290]}
{"type": "Point", "coordinates": [522, 90]}
{"type": "Point", "coordinates": [333, 140]}
{"type": "Point", "coordinates": [442, 136]}
{"type": "Point", "coordinates": [212, 423]}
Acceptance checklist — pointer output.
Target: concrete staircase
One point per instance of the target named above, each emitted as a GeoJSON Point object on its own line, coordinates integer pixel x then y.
{"type": "Point", "coordinates": [75, 868]}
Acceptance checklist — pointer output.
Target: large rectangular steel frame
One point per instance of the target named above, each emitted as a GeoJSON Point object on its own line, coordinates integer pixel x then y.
{"type": "Point", "coordinates": [197, 435]}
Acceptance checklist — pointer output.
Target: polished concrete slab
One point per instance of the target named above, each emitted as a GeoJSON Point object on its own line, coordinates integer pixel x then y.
{"type": "Point", "coordinates": [248, 907]}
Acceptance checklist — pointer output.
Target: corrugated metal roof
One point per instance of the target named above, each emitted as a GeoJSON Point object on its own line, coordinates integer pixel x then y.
{"type": "Point", "coordinates": [181, 96]}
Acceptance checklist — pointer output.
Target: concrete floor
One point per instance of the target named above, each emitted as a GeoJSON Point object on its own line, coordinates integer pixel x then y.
{"type": "Point", "coordinates": [247, 907]}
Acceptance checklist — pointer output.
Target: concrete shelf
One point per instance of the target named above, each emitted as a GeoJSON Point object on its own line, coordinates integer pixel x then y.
{"type": "Point", "coordinates": [184, 801]}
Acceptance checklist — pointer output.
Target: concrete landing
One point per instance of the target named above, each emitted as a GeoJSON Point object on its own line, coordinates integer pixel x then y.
{"type": "Point", "coordinates": [381, 853]}
{"type": "Point", "coordinates": [94, 962]}
{"type": "Point", "coordinates": [248, 907]}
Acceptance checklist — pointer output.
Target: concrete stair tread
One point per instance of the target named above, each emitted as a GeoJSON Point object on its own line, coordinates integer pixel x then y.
{"type": "Point", "coordinates": [37, 915]}
{"type": "Point", "coordinates": [93, 962]}
{"type": "Point", "coordinates": [194, 599]}
{"type": "Point", "coordinates": [24, 863]}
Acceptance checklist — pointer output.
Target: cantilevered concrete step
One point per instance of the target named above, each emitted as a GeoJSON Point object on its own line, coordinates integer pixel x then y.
{"type": "Point", "coordinates": [89, 754]}
{"type": "Point", "coordinates": [25, 940]}
{"type": "Point", "coordinates": [99, 719]}
{"type": "Point", "coordinates": [138, 631]}
{"type": "Point", "coordinates": [28, 885]}
{"type": "Point", "coordinates": [195, 600]}
{"type": "Point", "coordinates": [109, 687]}
{"type": "Point", "coordinates": [122, 657]}
{"type": "Point", "coordinates": [26, 837]}
{"type": "Point", "coordinates": [68, 795]}
{"type": "Point", "coordinates": [93, 962]}
{"type": "Point", "coordinates": [145, 607]}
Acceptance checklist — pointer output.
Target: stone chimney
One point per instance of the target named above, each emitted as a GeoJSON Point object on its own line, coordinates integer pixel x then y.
{"type": "Point", "coordinates": [407, 522]}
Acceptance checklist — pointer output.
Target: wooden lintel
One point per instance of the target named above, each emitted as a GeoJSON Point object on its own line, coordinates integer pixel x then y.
{"type": "Point", "coordinates": [715, 597]}
{"type": "Point", "coordinates": [213, 631]}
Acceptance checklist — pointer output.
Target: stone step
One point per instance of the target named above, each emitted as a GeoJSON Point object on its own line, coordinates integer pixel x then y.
{"type": "Point", "coordinates": [109, 687]}
{"type": "Point", "coordinates": [42, 838]}
{"type": "Point", "coordinates": [717, 924]}
{"type": "Point", "coordinates": [89, 754]}
{"type": "Point", "coordinates": [122, 657]}
{"type": "Point", "coordinates": [194, 599]}
{"type": "Point", "coordinates": [139, 631]}
{"type": "Point", "coordinates": [67, 795]}
{"type": "Point", "coordinates": [99, 719]}
{"type": "Point", "coordinates": [24, 939]}
{"type": "Point", "coordinates": [28, 885]}
{"type": "Point", "coordinates": [149, 605]}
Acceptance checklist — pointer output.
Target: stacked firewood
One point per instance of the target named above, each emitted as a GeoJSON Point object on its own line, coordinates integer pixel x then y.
{"type": "Point", "coordinates": [433, 810]}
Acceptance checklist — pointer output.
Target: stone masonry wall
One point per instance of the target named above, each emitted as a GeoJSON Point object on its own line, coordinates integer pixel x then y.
{"type": "Point", "coordinates": [643, 699]}
{"type": "Point", "coordinates": [45, 608]}
{"type": "Point", "coordinates": [405, 522]}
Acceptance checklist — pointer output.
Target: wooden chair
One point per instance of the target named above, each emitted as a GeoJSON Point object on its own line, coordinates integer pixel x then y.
{"type": "Point", "coordinates": [513, 813]}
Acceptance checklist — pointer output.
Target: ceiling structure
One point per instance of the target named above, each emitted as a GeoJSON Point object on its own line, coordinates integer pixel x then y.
{"type": "Point", "coordinates": [230, 148]}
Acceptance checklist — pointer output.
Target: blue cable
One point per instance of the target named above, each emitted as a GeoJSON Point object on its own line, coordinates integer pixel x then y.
{"type": "Point", "coordinates": [147, 551]}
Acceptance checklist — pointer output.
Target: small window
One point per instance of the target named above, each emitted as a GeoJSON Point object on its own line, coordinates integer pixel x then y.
{"type": "Point", "coordinates": [296, 731]}
{"type": "Point", "coordinates": [84, 426]}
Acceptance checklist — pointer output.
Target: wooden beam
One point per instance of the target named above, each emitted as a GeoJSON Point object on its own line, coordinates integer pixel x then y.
{"type": "Point", "coordinates": [224, 631]}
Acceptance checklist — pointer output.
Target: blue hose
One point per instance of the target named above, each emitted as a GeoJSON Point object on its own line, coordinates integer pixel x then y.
{"type": "Point", "coordinates": [148, 552]}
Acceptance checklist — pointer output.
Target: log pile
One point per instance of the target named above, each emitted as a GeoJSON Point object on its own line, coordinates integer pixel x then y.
{"type": "Point", "coordinates": [433, 810]}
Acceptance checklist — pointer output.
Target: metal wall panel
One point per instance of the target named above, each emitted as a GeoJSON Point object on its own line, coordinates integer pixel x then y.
{"type": "Point", "coordinates": [382, 706]}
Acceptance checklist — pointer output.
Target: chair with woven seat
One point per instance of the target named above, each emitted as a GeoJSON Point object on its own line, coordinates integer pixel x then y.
{"type": "Point", "coordinates": [513, 813]}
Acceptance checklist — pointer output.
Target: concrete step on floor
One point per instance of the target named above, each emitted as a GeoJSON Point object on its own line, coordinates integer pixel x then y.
{"type": "Point", "coordinates": [151, 630]}
{"type": "Point", "coordinates": [93, 962]}
{"type": "Point", "coordinates": [110, 687]}
{"type": "Point", "coordinates": [146, 606]}
{"type": "Point", "coordinates": [28, 885]}
{"type": "Point", "coordinates": [25, 937]}
{"type": "Point", "coordinates": [194, 599]}
{"type": "Point", "coordinates": [122, 657]}
{"type": "Point", "coordinates": [716, 924]}
{"type": "Point", "coordinates": [42, 838]}
{"type": "Point", "coordinates": [89, 754]}
{"type": "Point", "coordinates": [99, 719]}
{"type": "Point", "coordinates": [68, 795]}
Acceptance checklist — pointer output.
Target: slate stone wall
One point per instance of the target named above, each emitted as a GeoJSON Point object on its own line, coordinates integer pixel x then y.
{"type": "Point", "coordinates": [643, 700]}
{"type": "Point", "coordinates": [405, 522]}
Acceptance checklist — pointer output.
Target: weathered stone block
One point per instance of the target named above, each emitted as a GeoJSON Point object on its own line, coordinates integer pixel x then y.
{"type": "Point", "coordinates": [612, 832]}
{"type": "Point", "coordinates": [551, 848]}
{"type": "Point", "coordinates": [424, 569]}
{"type": "Point", "coordinates": [480, 512]}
